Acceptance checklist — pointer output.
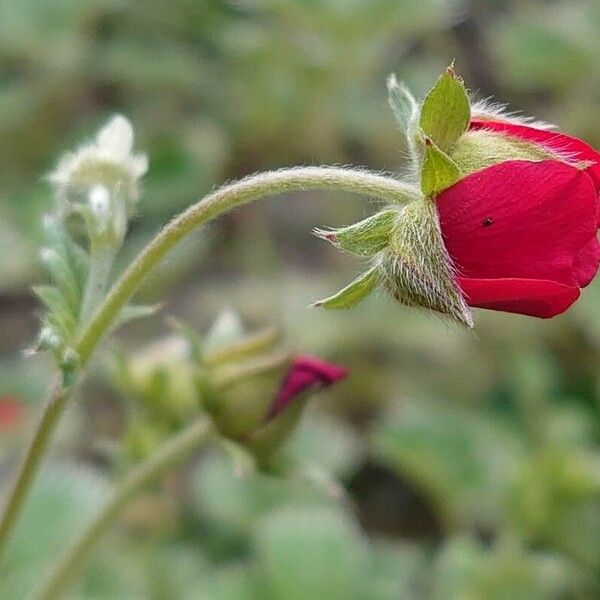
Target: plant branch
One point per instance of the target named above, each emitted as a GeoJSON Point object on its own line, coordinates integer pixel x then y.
{"type": "Point", "coordinates": [172, 453]}
{"type": "Point", "coordinates": [215, 204]}
{"type": "Point", "coordinates": [221, 201]}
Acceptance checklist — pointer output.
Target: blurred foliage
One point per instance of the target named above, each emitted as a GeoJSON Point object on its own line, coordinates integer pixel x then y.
{"type": "Point", "coordinates": [451, 465]}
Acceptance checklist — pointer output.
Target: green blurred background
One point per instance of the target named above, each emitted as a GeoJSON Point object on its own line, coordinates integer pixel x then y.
{"type": "Point", "coordinates": [469, 462]}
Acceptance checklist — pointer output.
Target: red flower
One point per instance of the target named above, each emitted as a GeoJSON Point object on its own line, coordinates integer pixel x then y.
{"type": "Point", "coordinates": [521, 234]}
{"type": "Point", "coordinates": [304, 374]}
{"type": "Point", "coordinates": [11, 411]}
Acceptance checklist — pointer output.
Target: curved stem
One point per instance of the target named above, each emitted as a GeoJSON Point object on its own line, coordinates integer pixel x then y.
{"type": "Point", "coordinates": [223, 200]}
{"type": "Point", "coordinates": [169, 455]}
{"type": "Point", "coordinates": [52, 411]}
{"type": "Point", "coordinates": [213, 205]}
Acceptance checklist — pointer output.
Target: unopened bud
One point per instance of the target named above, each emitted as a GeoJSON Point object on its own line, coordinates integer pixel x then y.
{"type": "Point", "coordinates": [70, 364]}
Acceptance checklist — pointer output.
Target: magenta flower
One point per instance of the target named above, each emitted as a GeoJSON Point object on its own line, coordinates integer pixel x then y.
{"type": "Point", "coordinates": [306, 373]}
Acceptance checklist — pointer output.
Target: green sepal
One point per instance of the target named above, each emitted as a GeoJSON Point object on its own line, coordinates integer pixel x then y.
{"type": "Point", "coordinates": [404, 106]}
{"type": "Point", "coordinates": [365, 238]}
{"type": "Point", "coordinates": [446, 112]}
{"type": "Point", "coordinates": [477, 150]}
{"type": "Point", "coordinates": [245, 392]}
{"type": "Point", "coordinates": [353, 293]}
{"type": "Point", "coordinates": [416, 268]}
{"type": "Point", "coordinates": [438, 171]}
{"type": "Point", "coordinates": [248, 347]}
{"type": "Point", "coordinates": [267, 438]}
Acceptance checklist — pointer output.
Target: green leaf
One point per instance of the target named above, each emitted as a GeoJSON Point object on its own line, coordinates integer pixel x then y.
{"type": "Point", "coordinates": [71, 252]}
{"type": "Point", "coordinates": [365, 238]}
{"type": "Point", "coordinates": [403, 104]}
{"type": "Point", "coordinates": [445, 113]}
{"type": "Point", "coordinates": [353, 293]}
{"type": "Point", "coordinates": [438, 171]}
{"type": "Point", "coordinates": [63, 277]}
{"type": "Point", "coordinates": [312, 553]}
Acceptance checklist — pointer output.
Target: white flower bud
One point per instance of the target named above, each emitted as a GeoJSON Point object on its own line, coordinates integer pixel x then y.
{"type": "Point", "coordinates": [108, 161]}
{"type": "Point", "coordinates": [100, 181]}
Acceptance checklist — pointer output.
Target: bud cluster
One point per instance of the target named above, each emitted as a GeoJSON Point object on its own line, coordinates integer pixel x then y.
{"type": "Point", "coordinates": [253, 389]}
{"type": "Point", "coordinates": [100, 184]}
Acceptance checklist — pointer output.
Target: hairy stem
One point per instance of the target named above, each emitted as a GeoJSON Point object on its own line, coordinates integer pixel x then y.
{"type": "Point", "coordinates": [218, 202]}
{"type": "Point", "coordinates": [52, 411]}
{"type": "Point", "coordinates": [223, 200]}
{"type": "Point", "coordinates": [172, 453]}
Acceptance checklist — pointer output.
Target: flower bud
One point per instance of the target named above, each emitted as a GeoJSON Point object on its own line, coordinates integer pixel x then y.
{"type": "Point", "coordinates": [100, 182]}
{"type": "Point", "coordinates": [70, 363]}
{"type": "Point", "coordinates": [160, 379]}
{"type": "Point", "coordinates": [506, 219]}
{"type": "Point", "coordinates": [48, 341]}
{"type": "Point", "coordinates": [253, 390]}
{"type": "Point", "coordinates": [305, 374]}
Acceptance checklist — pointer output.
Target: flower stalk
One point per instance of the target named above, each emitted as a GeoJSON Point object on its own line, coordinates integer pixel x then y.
{"type": "Point", "coordinates": [215, 204]}
{"type": "Point", "coordinates": [482, 185]}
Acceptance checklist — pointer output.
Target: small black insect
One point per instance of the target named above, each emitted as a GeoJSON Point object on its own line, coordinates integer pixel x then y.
{"type": "Point", "coordinates": [487, 222]}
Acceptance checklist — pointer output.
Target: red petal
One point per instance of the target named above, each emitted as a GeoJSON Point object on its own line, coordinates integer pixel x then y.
{"type": "Point", "coordinates": [585, 265]}
{"type": "Point", "coordinates": [553, 140]}
{"type": "Point", "coordinates": [521, 220]}
{"type": "Point", "coordinates": [532, 297]}
{"type": "Point", "coordinates": [305, 373]}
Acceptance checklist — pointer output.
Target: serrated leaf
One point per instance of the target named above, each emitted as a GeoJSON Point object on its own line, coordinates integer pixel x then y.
{"type": "Point", "coordinates": [404, 106]}
{"type": "Point", "coordinates": [446, 112]}
{"type": "Point", "coordinates": [438, 171]}
{"type": "Point", "coordinates": [416, 268]}
{"type": "Point", "coordinates": [353, 293]}
{"type": "Point", "coordinates": [365, 238]}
